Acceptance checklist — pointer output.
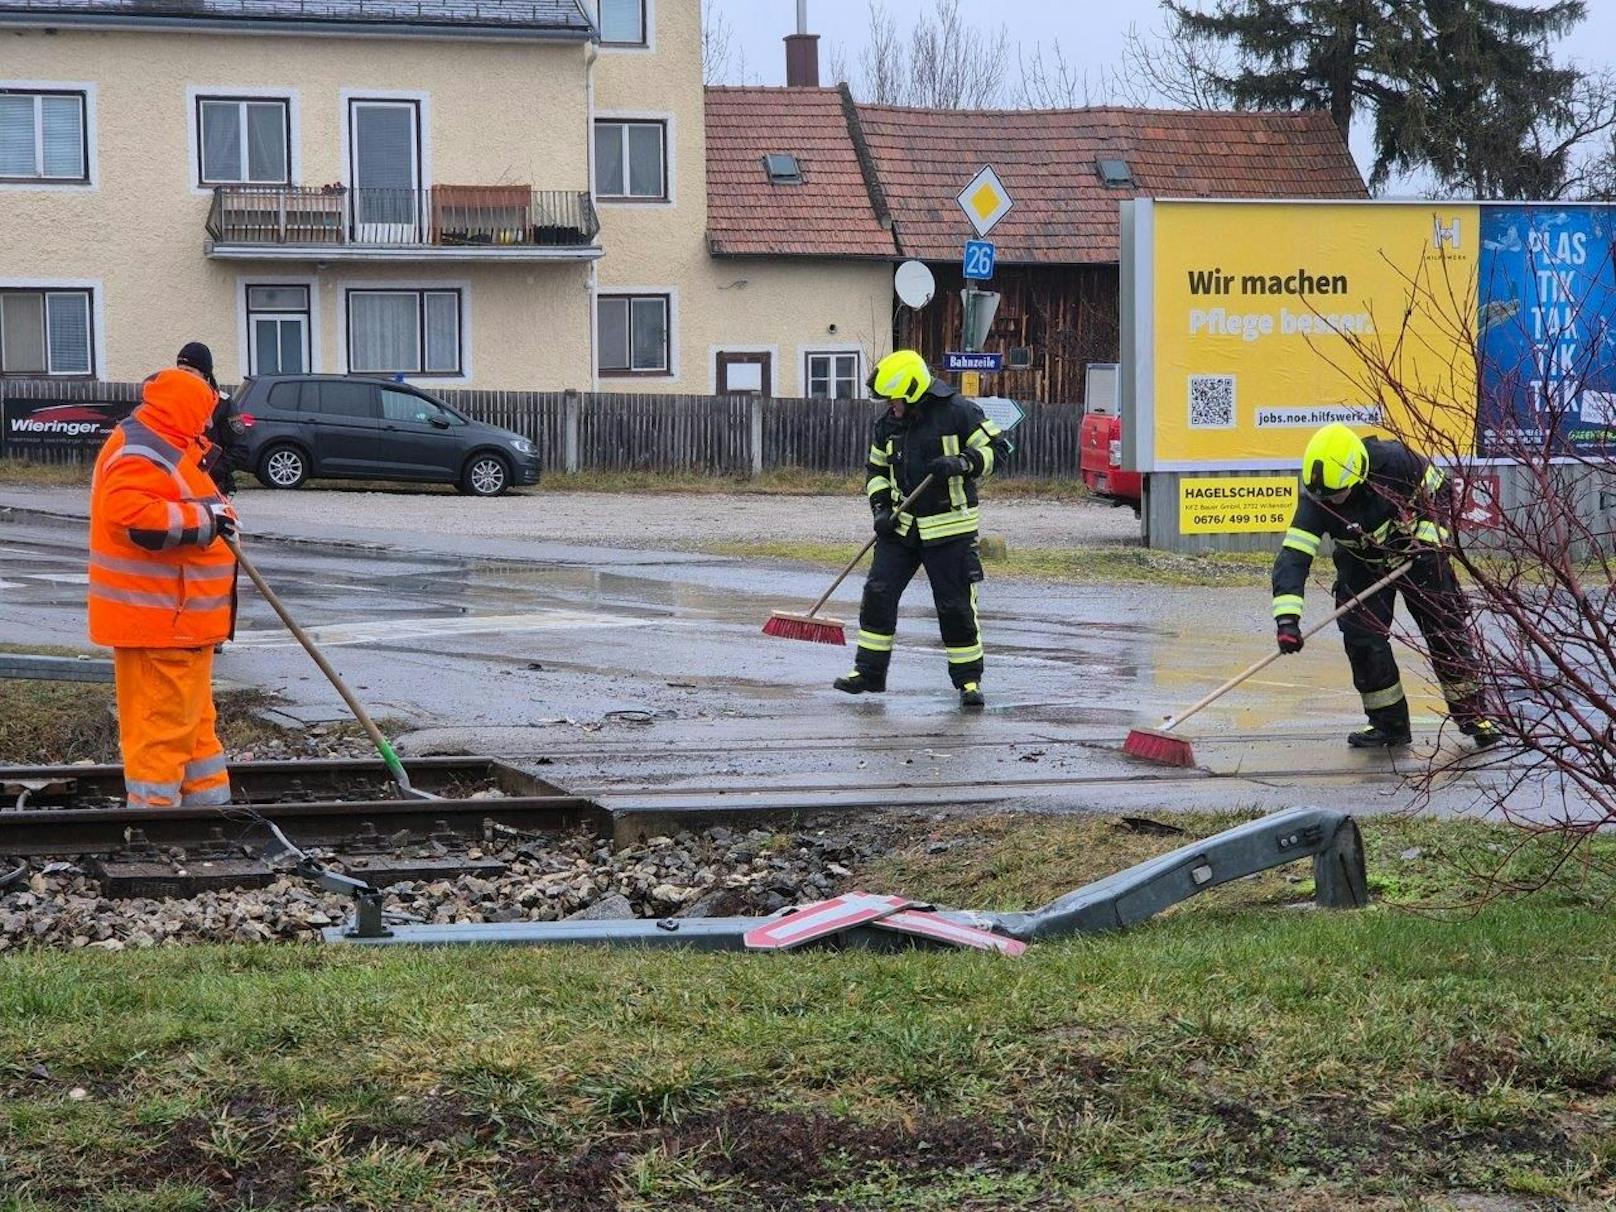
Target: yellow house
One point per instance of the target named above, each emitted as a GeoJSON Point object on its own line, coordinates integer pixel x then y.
{"type": "Point", "coordinates": [685, 301]}
{"type": "Point", "coordinates": [505, 194]}
{"type": "Point", "coordinates": [353, 185]}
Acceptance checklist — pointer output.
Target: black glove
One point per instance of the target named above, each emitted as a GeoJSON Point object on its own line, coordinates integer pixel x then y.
{"type": "Point", "coordinates": [1289, 635]}
{"type": "Point", "coordinates": [225, 525]}
{"type": "Point", "coordinates": [886, 522]}
{"type": "Point", "coordinates": [951, 465]}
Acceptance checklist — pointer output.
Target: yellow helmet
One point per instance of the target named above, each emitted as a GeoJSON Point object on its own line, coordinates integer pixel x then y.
{"type": "Point", "coordinates": [901, 375]}
{"type": "Point", "coordinates": [1335, 459]}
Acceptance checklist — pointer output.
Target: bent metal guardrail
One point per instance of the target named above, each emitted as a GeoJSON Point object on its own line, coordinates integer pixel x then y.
{"type": "Point", "coordinates": [1328, 837]}
{"type": "Point", "coordinates": [444, 216]}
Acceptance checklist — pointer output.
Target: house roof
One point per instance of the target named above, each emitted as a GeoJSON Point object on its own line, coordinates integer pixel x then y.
{"type": "Point", "coordinates": [1063, 212]}
{"type": "Point", "coordinates": [829, 214]}
{"type": "Point", "coordinates": [481, 18]}
{"type": "Point", "coordinates": [866, 166]}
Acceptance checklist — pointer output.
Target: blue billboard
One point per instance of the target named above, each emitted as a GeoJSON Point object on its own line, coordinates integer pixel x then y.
{"type": "Point", "coordinates": [1547, 330]}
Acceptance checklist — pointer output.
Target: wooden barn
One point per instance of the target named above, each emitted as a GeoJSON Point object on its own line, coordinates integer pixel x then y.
{"type": "Point", "coordinates": [1067, 170]}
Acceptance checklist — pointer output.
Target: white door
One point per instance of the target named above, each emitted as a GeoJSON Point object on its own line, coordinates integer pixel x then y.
{"type": "Point", "coordinates": [386, 171]}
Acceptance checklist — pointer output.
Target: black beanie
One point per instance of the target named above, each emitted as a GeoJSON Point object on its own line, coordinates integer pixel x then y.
{"type": "Point", "coordinates": [198, 357]}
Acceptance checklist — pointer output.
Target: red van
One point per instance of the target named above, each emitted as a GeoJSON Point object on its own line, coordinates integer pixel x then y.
{"type": "Point", "coordinates": [1100, 439]}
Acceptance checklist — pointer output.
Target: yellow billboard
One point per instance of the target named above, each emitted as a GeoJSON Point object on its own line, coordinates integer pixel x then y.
{"type": "Point", "coordinates": [1250, 324]}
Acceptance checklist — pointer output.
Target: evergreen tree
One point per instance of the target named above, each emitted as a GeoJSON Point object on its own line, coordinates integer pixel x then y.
{"type": "Point", "coordinates": [1464, 88]}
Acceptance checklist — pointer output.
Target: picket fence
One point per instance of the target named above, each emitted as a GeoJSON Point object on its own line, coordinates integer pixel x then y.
{"type": "Point", "coordinates": [737, 436]}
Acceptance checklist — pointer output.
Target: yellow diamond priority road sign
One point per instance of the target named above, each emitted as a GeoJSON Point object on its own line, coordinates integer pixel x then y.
{"type": "Point", "coordinates": [985, 201]}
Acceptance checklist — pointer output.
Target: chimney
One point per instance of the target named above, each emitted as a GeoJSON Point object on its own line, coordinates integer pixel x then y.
{"type": "Point", "coordinates": [802, 53]}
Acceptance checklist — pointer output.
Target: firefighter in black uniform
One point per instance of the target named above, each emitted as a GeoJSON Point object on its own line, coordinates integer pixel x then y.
{"type": "Point", "coordinates": [930, 429]}
{"type": "Point", "coordinates": [1382, 504]}
{"type": "Point", "coordinates": [225, 431]}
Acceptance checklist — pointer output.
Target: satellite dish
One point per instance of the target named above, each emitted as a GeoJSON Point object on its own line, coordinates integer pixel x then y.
{"type": "Point", "coordinates": [914, 284]}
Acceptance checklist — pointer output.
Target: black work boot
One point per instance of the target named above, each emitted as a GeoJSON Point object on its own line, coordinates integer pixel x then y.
{"type": "Point", "coordinates": [971, 695]}
{"type": "Point", "coordinates": [860, 682]}
{"type": "Point", "coordinates": [1375, 736]}
{"type": "Point", "coordinates": [1481, 730]}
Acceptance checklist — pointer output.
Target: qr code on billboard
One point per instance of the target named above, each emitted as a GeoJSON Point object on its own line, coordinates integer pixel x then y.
{"type": "Point", "coordinates": [1211, 401]}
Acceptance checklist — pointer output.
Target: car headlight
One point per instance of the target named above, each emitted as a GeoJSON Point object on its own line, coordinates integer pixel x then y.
{"type": "Point", "coordinates": [522, 446]}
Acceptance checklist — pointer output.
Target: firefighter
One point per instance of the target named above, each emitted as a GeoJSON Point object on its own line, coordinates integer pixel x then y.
{"type": "Point", "coordinates": [224, 430]}
{"type": "Point", "coordinates": [162, 590]}
{"type": "Point", "coordinates": [928, 429]}
{"type": "Point", "coordinates": [1382, 504]}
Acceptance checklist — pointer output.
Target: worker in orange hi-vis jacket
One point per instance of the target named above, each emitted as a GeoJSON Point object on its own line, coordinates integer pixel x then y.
{"type": "Point", "coordinates": [163, 590]}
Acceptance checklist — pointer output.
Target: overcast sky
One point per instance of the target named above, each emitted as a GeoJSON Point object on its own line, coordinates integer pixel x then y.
{"type": "Point", "coordinates": [1090, 31]}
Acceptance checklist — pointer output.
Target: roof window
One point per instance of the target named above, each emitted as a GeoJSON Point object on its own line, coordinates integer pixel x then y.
{"type": "Point", "coordinates": [783, 168]}
{"type": "Point", "coordinates": [1114, 172]}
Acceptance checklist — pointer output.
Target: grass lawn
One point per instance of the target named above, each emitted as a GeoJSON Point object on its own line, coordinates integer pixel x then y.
{"type": "Point", "coordinates": [1112, 565]}
{"type": "Point", "coordinates": [1237, 1053]}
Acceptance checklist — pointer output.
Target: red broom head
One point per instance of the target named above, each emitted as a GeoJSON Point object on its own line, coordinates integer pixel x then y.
{"type": "Point", "coordinates": [1163, 748]}
{"type": "Point", "coordinates": [801, 627]}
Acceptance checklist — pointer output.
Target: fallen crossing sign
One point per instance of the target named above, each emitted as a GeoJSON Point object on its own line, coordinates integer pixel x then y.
{"type": "Point", "coordinates": [823, 918]}
{"type": "Point", "coordinates": [944, 930]}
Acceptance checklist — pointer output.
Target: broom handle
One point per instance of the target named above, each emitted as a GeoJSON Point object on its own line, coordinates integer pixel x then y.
{"type": "Point", "coordinates": [1274, 656]}
{"type": "Point", "coordinates": [389, 758]}
{"type": "Point", "coordinates": [852, 564]}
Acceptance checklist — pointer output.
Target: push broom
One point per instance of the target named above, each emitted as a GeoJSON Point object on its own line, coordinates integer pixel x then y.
{"type": "Point", "coordinates": [1160, 745]}
{"type": "Point", "coordinates": [395, 768]}
{"type": "Point", "coordinates": [817, 630]}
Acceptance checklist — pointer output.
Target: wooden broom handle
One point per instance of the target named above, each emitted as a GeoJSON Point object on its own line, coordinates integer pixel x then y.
{"type": "Point", "coordinates": [1274, 656]}
{"type": "Point", "coordinates": [309, 647]}
{"type": "Point", "coordinates": [854, 562]}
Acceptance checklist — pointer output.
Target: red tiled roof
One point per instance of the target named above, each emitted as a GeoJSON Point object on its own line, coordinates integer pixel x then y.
{"type": "Point", "coordinates": [1063, 214]}
{"type": "Point", "coordinates": [829, 215]}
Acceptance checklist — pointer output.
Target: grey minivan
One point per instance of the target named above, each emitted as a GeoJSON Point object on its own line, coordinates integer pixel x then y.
{"type": "Point", "coordinates": [305, 427]}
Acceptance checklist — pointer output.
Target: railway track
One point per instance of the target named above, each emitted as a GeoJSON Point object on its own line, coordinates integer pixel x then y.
{"type": "Point", "coordinates": [58, 811]}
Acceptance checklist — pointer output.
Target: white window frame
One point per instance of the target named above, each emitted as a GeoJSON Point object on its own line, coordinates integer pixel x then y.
{"type": "Point", "coordinates": [648, 46]}
{"type": "Point", "coordinates": [670, 157]}
{"type": "Point", "coordinates": [93, 313]}
{"type": "Point", "coordinates": [305, 317]}
{"type": "Point", "coordinates": [662, 198]}
{"type": "Point", "coordinates": [832, 349]}
{"type": "Point", "coordinates": [243, 333]}
{"type": "Point", "coordinates": [245, 162]}
{"type": "Point", "coordinates": [86, 91]}
{"type": "Point", "coordinates": [236, 92]}
{"type": "Point", "coordinates": [667, 295]}
{"type": "Point", "coordinates": [423, 131]}
{"type": "Point", "coordinates": [428, 377]}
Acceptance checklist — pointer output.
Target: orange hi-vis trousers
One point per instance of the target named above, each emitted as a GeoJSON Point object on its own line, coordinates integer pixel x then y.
{"type": "Point", "coordinates": [171, 754]}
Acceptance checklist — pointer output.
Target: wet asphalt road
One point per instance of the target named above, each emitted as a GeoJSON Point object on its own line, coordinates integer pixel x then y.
{"type": "Point", "coordinates": [617, 670]}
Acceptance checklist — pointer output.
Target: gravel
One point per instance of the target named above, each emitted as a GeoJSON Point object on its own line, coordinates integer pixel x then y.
{"type": "Point", "coordinates": [717, 873]}
{"type": "Point", "coordinates": [684, 521]}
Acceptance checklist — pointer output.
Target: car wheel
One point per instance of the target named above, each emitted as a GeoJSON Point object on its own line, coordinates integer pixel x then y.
{"type": "Point", "coordinates": [487, 475]}
{"type": "Point", "coordinates": [283, 466]}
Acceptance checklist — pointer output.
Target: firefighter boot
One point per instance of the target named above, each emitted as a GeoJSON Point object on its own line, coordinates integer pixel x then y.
{"type": "Point", "coordinates": [971, 695]}
{"type": "Point", "coordinates": [1482, 731]}
{"type": "Point", "coordinates": [860, 682]}
{"type": "Point", "coordinates": [1387, 729]}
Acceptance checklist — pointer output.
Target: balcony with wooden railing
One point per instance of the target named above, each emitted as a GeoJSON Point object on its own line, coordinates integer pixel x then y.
{"type": "Point", "coordinates": [443, 223]}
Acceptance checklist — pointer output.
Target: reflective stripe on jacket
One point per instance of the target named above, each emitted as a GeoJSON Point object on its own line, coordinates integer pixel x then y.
{"type": "Point", "coordinates": [1404, 498]}
{"type": "Point", "coordinates": [942, 423]}
{"type": "Point", "coordinates": [159, 575]}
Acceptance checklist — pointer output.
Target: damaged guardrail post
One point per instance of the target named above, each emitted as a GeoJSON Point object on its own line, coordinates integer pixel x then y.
{"type": "Point", "coordinates": [1329, 838]}
{"type": "Point", "coordinates": [1144, 890]}
{"type": "Point", "coordinates": [1340, 877]}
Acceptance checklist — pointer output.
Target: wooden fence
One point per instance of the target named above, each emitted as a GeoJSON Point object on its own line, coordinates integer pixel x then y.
{"type": "Point", "coordinates": [595, 431]}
